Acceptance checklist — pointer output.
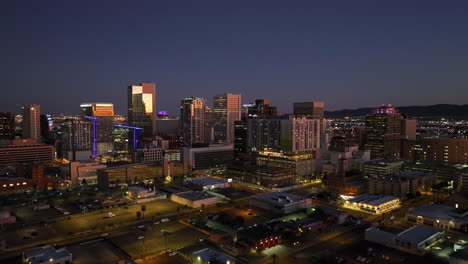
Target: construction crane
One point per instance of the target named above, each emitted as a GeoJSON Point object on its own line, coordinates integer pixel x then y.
{"type": "Point", "coordinates": [134, 133]}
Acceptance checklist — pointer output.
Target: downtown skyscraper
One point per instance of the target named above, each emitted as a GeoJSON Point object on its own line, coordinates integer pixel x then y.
{"type": "Point", "coordinates": [104, 112]}
{"type": "Point", "coordinates": [193, 121]}
{"type": "Point", "coordinates": [383, 132]}
{"type": "Point", "coordinates": [227, 109]}
{"type": "Point", "coordinates": [32, 122]}
{"type": "Point", "coordinates": [142, 108]}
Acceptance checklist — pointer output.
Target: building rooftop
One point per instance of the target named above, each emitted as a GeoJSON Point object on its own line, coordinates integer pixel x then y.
{"type": "Point", "coordinates": [205, 181]}
{"type": "Point", "coordinates": [372, 199]}
{"type": "Point", "coordinates": [45, 253]}
{"type": "Point", "coordinates": [439, 211]}
{"type": "Point", "coordinates": [417, 234]}
{"type": "Point", "coordinates": [194, 195]}
{"type": "Point", "coordinates": [278, 198]}
{"type": "Point", "coordinates": [208, 254]}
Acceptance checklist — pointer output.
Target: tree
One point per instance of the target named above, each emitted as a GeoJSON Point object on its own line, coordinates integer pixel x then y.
{"type": "Point", "coordinates": [84, 182]}
{"type": "Point", "coordinates": [143, 209]}
{"type": "Point", "coordinates": [138, 215]}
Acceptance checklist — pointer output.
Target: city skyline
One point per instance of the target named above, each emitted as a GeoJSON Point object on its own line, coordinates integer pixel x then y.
{"type": "Point", "coordinates": [316, 51]}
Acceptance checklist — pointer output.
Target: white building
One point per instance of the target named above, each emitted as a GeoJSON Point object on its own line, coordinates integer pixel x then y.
{"type": "Point", "coordinates": [280, 202]}
{"type": "Point", "coordinates": [47, 255]}
{"type": "Point", "coordinates": [415, 240]}
{"type": "Point", "coordinates": [212, 157]}
{"type": "Point", "coordinates": [194, 199]}
{"type": "Point", "coordinates": [374, 204]}
{"type": "Point", "coordinates": [439, 215]}
{"type": "Point", "coordinates": [142, 195]}
{"type": "Point", "coordinates": [299, 134]}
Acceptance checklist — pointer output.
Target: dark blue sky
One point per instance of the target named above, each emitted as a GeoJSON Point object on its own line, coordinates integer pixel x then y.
{"type": "Point", "coordinates": [348, 53]}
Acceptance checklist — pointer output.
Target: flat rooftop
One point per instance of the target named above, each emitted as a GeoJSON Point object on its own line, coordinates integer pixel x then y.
{"type": "Point", "coordinates": [417, 234]}
{"type": "Point", "coordinates": [42, 254]}
{"type": "Point", "coordinates": [205, 181]}
{"type": "Point", "coordinates": [208, 254]}
{"type": "Point", "coordinates": [278, 198]}
{"type": "Point", "coordinates": [437, 211]}
{"type": "Point", "coordinates": [372, 199]}
{"type": "Point", "coordinates": [194, 195]}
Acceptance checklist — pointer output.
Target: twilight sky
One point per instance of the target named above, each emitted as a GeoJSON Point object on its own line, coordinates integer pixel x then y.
{"type": "Point", "coordinates": [348, 53]}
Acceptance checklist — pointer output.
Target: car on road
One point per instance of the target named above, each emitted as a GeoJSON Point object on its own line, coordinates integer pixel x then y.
{"type": "Point", "coordinates": [173, 253]}
{"type": "Point", "coordinates": [140, 237]}
{"type": "Point", "coordinates": [164, 220]}
{"type": "Point", "coordinates": [157, 223]}
{"type": "Point", "coordinates": [141, 226]}
{"type": "Point", "coordinates": [104, 235]}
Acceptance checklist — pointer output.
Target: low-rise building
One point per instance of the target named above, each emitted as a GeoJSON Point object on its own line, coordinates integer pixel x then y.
{"type": "Point", "coordinates": [382, 167]}
{"type": "Point", "coordinates": [267, 176]}
{"type": "Point", "coordinates": [280, 202]}
{"type": "Point", "coordinates": [212, 157]}
{"type": "Point", "coordinates": [374, 204]}
{"type": "Point", "coordinates": [194, 199]}
{"type": "Point", "coordinates": [47, 255]}
{"type": "Point", "coordinates": [25, 151]}
{"type": "Point", "coordinates": [143, 195]}
{"type": "Point", "coordinates": [415, 240]}
{"type": "Point", "coordinates": [79, 171]}
{"type": "Point", "coordinates": [207, 254]}
{"type": "Point", "coordinates": [439, 215]}
{"type": "Point", "coordinates": [305, 165]}
{"type": "Point", "coordinates": [126, 174]}
{"type": "Point", "coordinates": [206, 183]}
{"type": "Point", "coordinates": [148, 154]}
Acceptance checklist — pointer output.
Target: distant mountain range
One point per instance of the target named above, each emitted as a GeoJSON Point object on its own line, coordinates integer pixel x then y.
{"type": "Point", "coordinates": [429, 111]}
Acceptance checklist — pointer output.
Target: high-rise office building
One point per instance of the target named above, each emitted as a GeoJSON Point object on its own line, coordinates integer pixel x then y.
{"type": "Point", "coordinates": [142, 108]}
{"type": "Point", "coordinates": [7, 126]}
{"type": "Point", "coordinates": [310, 109]}
{"type": "Point", "coordinates": [240, 137]}
{"type": "Point", "coordinates": [383, 129]}
{"type": "Point", "coordinates": [300, 134]}
{"type": "Point", "coordinates": [104, 112]}
{"type": "Point", "coordinates": [32, 122]}
{"type": "Point", "coordinates": [193, 121]}
{"type": "Point", "coordinates": [261, 109]}
{"type": "Point", "coordinates": [77, 136]}
{"type": "Point", "coordinates": [227, 109]}
{"type": "Point", "coordinates": [263, 134]}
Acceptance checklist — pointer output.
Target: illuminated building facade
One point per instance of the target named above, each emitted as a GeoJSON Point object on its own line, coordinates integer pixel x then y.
{"type": "Point", "coordinates": [142, 108]}
{"type": "Point", "coordinates": [440, 150]}
{"type": "Point", "coordinates": [104, 112]}
{"type": "Point", "coordinates": [32, 122]}
{"type": "Point", "coordinates": [25, 151]}
{"type": "Point", "coordinates": [7, 126]}
{"type": "Point", "coordinates": [383, 132]}
{"type": "Point", "coordinates": [299, 134]}
{"type": "Point", "coordinates": [263, 134]}
{"type": "Point", "coordinates": [227, 109]}
{"type": "Point", "coordinates": [192, 120]}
